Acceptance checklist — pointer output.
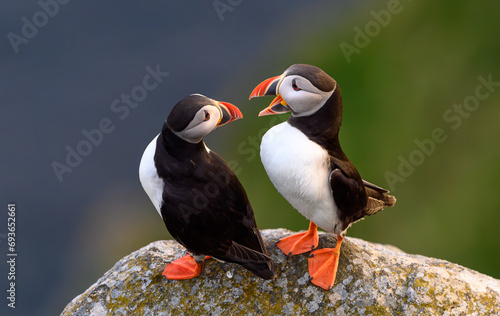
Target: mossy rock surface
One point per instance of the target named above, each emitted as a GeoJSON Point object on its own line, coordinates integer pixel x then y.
{"type": "Point", "coordinates": [372, 279]}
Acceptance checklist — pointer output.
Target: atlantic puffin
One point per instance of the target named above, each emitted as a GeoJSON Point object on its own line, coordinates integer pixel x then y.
{"type": "Point", "coordinates": [203, 205]}
{"type": "Point", "coordinates": [306, 164]}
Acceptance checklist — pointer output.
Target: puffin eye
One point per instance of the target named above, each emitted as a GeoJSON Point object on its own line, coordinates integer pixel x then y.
{"type": "Point", "coordinates": [207, 116]}
{"type": "Point", "coordinates": [295, 86]}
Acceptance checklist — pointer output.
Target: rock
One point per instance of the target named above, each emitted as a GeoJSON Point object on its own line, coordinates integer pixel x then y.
{"type": "Point", "coordinates": [372, 279]}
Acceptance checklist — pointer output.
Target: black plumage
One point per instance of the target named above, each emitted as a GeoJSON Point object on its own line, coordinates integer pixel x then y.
{"type": "Point", "coordinates": [204, 206]}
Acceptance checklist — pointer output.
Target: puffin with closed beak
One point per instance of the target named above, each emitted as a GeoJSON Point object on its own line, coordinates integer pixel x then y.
{"type": "Point", "coordinates": [203, 205]}
{"type": "Point", "coordinates": [306, 164]}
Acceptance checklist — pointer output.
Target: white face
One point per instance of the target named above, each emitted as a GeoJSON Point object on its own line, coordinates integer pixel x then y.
{"type": "Point", "coordinates": [205, 121]}
{"type": "Point", "coordinates": [301, 95]}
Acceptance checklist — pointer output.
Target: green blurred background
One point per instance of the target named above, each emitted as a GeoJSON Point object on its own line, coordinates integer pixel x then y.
{"type": "Point", "coordinates": [395, 91]}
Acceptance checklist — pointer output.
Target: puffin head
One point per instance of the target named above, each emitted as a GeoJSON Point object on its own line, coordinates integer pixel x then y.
{"type": "Point", "coordinates": [302, 89]}
{"type": "Point", "coordinates": [193, 117]}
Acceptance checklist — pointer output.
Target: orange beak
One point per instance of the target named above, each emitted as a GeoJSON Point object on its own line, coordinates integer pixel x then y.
{"type": "Point", "coordinates": [229, 113]}
{"type": "Point", "coordinates": [266, 87]}
{"type": "Point", "coordinates": [269, 87]}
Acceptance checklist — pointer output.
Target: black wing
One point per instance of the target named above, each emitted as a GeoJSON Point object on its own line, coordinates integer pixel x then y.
{"type": "Point", "coordinates": [356, 198]}
{"type": "Point", "coordinates": [348, 192]}
{"type": "Point", "coordinates": [378, 199]}
{"type": "Point", "coordinates": [218, 220]}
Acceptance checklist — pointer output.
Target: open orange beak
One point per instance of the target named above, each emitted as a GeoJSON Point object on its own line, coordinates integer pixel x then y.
{"type": "Point", "coordinates": [270, 87]}
{"type": "Point", "coordinates": [229, 112]}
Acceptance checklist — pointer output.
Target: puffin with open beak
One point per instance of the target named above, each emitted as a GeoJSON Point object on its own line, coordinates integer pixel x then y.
{"type": "Point", "coordinates": [306, 164]}
{"type": "Point", "coordinates": [202, 203]}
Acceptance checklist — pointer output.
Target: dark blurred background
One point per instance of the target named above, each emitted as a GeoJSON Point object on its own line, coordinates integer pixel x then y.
{"type": "Point", "coordinates": [408, 70]}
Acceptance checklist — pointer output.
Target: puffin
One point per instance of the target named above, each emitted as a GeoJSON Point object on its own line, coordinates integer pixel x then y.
{"type": "Point", "coordinates": [203, 205]}
{"type": "Point", "coordinates": [304, 160]}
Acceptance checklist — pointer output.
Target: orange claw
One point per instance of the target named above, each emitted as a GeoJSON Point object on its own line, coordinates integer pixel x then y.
{"type": "Point", "coordinates": [323, 264]}
{"type": "Point", "coordinates": [301, 242]}
{"type": "Point", "coordinates": [183, 268]}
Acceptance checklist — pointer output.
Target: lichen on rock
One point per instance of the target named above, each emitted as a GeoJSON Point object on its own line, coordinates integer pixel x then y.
{"type": "Point", "coordinates": [372, 279]}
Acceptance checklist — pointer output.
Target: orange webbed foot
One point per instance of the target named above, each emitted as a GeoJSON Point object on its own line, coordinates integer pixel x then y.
{"type": "Point", "coordinates": [301, 242]}
{"type": "Point", "coordinates": [183, 268]}
{"type": "Point", "coordinates": [323, 264]}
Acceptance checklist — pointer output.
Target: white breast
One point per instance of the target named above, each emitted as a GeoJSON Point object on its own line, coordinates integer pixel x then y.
{"type": "Point", "coordinates": [300, 170]}
{"type": "Point", "coordinates": [148, 175]}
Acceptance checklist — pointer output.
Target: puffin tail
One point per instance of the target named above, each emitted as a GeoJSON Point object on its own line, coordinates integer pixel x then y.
{"type": "Point", "coordinates": [266, 270]}
{"type": "Point", "coordinates": [256, 262]}
{"type": "Point", "coordinates": [378, 199]}
{"type": "Point", "coordinates": [389, 200]}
